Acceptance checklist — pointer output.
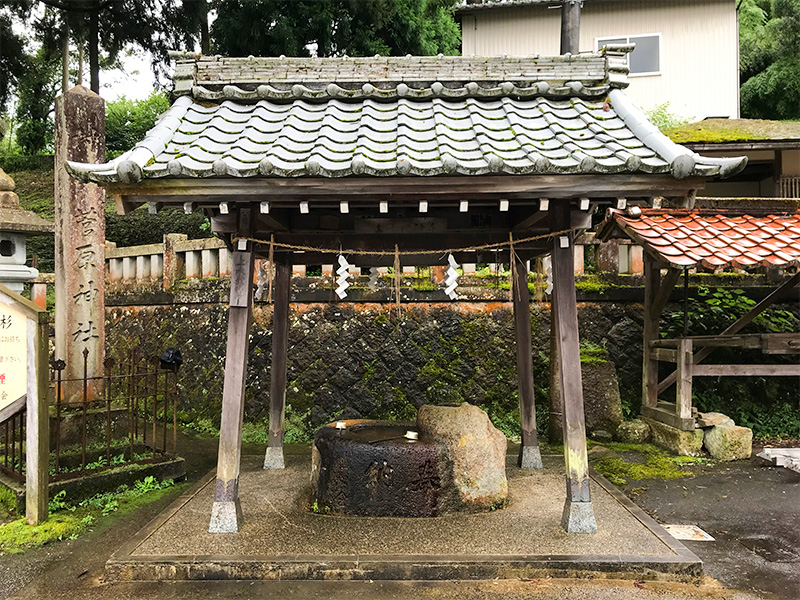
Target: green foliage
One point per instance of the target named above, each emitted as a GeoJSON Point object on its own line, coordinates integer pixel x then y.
{"type": "Point", "coordinates": [8, 500]}
{"type": "Point", "coordinates": [128, 121]}
{"type": "Point", "coordinates": [68, 521]}
{"type": "Point", "coordinates": [36, 94]}
{"type": "Point", "coordinates": [662, 117]}
{"type": "Point", "coordinates": [593, 284]}
{"type": "Point", "coordinates": [335, 27]}
{"type": "Point", "coordinates": [770, 58]}
{"type": "Point", "coordinates": [13, 59]}
{"type": "Point", "coordinates": [140, 227]}
{"type": "Point", "coordinates": [768, 405]}
{"type": "Point", "coordinates": [656, 464]}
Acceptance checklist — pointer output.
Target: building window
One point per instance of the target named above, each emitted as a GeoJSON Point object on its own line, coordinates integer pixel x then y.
{"type": "Point", "coordinates": [645, 58]}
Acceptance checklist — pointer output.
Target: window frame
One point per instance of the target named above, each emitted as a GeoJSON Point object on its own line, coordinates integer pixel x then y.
{"type": "Point", "coordinates": [632, 38]}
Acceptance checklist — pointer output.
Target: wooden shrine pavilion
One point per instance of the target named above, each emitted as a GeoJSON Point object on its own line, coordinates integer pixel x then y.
{"type": "Point", "coordinates": [751, 236]}
{"type": "Point", "coordinates": [387, 158]}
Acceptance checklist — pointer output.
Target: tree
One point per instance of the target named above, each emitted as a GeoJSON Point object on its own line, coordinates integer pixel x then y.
{"type": "Point", "coordinates": [13, 56]}
{"type": "Point", "coordinates": [127, 121]}
{"type": "Point", "coordinates": [334, 27]}
{"type": "Point", "coordinates": [37, 90]}
{"type": "Point", "coordinates": [770, 58]}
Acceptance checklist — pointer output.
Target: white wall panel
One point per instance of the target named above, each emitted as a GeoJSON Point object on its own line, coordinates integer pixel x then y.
{"type": "Point", "coordinates": [699, 54]}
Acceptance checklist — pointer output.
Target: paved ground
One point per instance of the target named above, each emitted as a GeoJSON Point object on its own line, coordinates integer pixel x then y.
{"type": "Point", "coordinates": [732, 503]}
{"type": "Point", "coordinates": [752, 511]}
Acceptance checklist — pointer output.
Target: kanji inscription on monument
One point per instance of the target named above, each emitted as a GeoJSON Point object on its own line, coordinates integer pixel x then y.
{"type": "Point", "coordinates": [13, 354]}
{"type": "Point", "coordinates": [80, 241]}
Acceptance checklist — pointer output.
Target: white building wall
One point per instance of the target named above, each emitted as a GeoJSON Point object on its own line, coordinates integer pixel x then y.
{"type": "Point", "coordinates": [699, 46]}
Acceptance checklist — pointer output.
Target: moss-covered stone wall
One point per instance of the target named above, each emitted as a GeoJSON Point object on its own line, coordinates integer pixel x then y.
{"type": "Point", "coordinates": [369, 360]}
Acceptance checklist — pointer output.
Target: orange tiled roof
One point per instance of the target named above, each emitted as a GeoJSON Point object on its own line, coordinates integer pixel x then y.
{"type": "Point", "coordinates": [715, 238]}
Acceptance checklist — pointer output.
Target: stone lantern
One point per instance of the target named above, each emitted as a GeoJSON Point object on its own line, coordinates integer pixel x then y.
{"type": "Point", "coordinates": [16, 224]}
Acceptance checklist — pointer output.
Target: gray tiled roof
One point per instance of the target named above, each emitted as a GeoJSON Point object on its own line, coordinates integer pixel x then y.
{"type": "Point", "coordinates": [575, 132]}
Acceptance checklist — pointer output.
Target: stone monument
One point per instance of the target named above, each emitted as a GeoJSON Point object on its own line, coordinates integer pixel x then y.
{"type": "Point", "coordinates": [80, 241]}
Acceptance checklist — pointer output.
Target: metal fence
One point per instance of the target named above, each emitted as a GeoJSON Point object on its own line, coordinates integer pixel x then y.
{"type": "Point", "coordinates": [126, 416]}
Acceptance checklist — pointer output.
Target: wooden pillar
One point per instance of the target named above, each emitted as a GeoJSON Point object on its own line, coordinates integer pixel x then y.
{"type": "Point", "coordinates": [578, 515]}
{"type": "Point", "coordinates": [226, 514]}
{"type": "Point", "coordinates": [555, 431]}
{"type": "Point", "coordinates": [37, 427]}
{"type": "Point", "coordinates": [529, 455]}
{"type": "Point", "coordinates": [683, 399]}
{"type": "Point", "coordinates": [652, 277]}
{"type": "Point", "coordinates": [277, 390]}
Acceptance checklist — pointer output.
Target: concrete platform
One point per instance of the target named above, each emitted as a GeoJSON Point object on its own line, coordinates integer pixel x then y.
{"type": "Point", "coordinates": [282, 540]}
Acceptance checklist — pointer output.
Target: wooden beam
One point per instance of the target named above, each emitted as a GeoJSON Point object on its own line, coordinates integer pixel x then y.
{"type": "Point", "coordinates": [665, 288]}
{"type": "Point", "coordinates": [277, 390]}
{"type": "Point", "coordinates": [465, 187]}
{"type": "Point", "coordinates": [746, 370]}
{"type": "Point", "coordinates": [529, 455]}
{"type": "Point", "coordinates": [578, 515]}
{"type": "Point", "coordinates": [745, 320]}
{"type": "Point", "coordinates": [226, 513]}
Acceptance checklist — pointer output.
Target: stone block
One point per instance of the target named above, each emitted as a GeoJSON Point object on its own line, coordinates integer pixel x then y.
{"type": "Point", "coordinates": [601, 400]}
{"type": "Point", "coordinates": [677, 441]}
{"type": "Point", "coordinates": [477, 449]}
{"type": "Point", "coordinates": [712, 419]}
{"type": "Point", "coordinates": [729, 442]}
{"type": "Point", "coordinates": [633, 432]}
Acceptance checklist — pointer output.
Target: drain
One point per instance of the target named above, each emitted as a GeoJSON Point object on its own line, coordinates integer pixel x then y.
{"type": "Point", "coordinates": [771, 549]}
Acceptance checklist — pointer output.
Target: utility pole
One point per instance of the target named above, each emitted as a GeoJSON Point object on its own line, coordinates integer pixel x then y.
{"type": "Point", "coordinates": [570, 26]}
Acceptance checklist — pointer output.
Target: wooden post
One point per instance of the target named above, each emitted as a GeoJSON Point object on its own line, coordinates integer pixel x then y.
{"type": "Point", "coordinates": [29, 326]}
{"type": "Point", "coordinates": [683, 399]}
{"type": "Point", "coordinates": [555, 431]}
{"type": "Point", "coordinates": [37, 432]}
{"type": "Point", "coordinates": [529, 455]}
{"type": "Point", "coordinates": [652, 277]}
{"type": "Point", "coordinates": [226, 514]}
{"type": "Point", "coordinates": [277, 389]}
{"type": "Point", "coordinates": [578, 515]}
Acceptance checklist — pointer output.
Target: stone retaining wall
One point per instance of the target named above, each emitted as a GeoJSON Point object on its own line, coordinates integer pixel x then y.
{"type": "Point", "coordinates": [369, 360]}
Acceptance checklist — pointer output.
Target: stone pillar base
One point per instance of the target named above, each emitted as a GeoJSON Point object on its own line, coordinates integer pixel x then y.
{"type": "Point", "coordinates": [226, 517]}
{"type": "Point", "coordinates": [274, 458]}
{"type": "Point", "coordinates": [530, 457]}
{"type": "Point", "coordinates": [578, 517]}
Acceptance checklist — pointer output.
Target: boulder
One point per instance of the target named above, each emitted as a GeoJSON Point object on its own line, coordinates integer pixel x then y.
{"type": "Point", "coordinates": [729, 442]}
{"type": "Point", "coordinates": [633, 432]}
{"type": "Point", "coordinates": [476, 447]}
{"type": "Point", "coordinates": [677, 441]}
{"type": "Point", "coordinates": [712, 419]}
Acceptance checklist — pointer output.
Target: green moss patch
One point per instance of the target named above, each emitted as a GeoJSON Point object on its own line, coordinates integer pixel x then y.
{"type": "Point", "coordinates": [69, 521]}
{"type": "Point", "coordinates": [733, 130]}
{"type": "Point", "coordinates": [655, 464]}
{"type": "Point", "coordinates": [17, 536]}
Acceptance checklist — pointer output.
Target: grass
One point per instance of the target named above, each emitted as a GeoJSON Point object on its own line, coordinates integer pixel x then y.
{"type": "Point", "coordinates": [69, 521]}
{"type": "Point", "coordinates": [657, 464]}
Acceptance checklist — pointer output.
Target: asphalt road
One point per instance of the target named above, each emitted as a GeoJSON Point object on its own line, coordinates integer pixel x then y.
{"type": "Point", "coordinates": [752, 511]}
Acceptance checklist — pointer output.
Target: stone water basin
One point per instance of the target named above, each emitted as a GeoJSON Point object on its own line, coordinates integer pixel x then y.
{"type": "Point", "coordinates": [370, 469]}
